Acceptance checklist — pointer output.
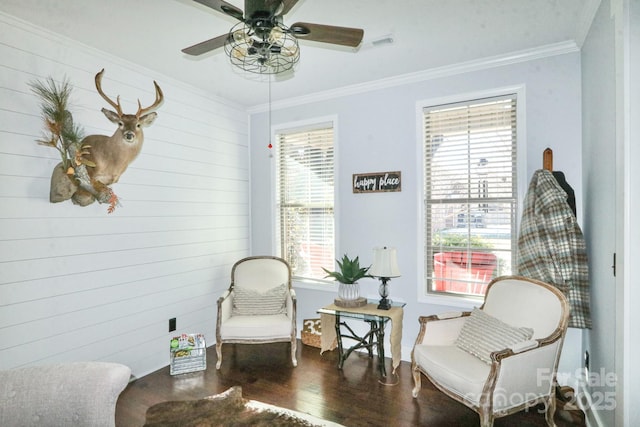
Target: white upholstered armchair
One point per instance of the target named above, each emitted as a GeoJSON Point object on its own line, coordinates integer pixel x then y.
{"type": "Point", "coordinates": [501, 358]}
{"type": "Point", "coordinates": [259, 307]}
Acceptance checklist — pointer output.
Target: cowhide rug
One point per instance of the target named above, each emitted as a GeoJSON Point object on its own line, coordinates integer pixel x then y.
{"type": "Point", "coordinates": [228, 409]}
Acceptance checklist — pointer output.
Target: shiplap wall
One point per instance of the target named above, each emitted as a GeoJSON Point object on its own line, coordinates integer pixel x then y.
{"type": "Point", "coordinates": [78, 283]}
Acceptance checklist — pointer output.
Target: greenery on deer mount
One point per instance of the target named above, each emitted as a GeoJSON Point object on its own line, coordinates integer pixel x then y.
{"type": "Point", "coordinates": [350, 270]}
{"type": "Point", "coordinates": [60, 131]}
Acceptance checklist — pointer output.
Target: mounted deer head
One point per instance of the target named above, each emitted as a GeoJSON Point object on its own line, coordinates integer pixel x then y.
{"type": "Point", "coordinates": [129, 125]}
{"type": "Point", "coordinates": [108, 157]}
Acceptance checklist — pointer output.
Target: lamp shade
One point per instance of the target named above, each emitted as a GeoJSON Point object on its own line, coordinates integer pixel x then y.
{"type": "Point", "coordinates": [385, 263]}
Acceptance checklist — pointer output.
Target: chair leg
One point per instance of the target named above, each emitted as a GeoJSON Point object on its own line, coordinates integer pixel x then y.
{"type": "Point", "coordinates": [294, 345]}
{"type": "Point", "coordinates": [219, 353]}
{"type": "Point", "coordinates": [551, 410]}
{"type": "Point", "coordinates": [486, 419]}
{"type": "Point", "coordinates": [417, 381]}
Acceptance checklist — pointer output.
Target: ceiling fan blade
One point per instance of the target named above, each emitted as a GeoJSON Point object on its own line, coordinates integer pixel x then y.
{"type": "Point", "coordinates": [206, 46]}
{"type": "Point", "coordinates": [224, 7]}
{"type": "Point", "coordinates": [328, 34]}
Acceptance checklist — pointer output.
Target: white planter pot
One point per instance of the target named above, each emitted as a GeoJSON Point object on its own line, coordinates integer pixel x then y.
{"type": "Point", "coordinates": [348, 291]}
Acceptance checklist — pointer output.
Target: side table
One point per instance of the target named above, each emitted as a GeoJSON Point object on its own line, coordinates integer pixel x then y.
{"type": "Point", "coordinates": [377, 320]}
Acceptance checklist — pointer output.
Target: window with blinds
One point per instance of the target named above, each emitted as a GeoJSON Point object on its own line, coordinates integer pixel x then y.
{"type": "Point", "coordinates": [305, 199]}
{"type": "Point", "coordinates": [470, 194]}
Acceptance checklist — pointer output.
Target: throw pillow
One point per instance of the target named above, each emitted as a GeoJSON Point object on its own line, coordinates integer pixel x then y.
{"type": "Point", "coordinates": [250, 302]}
{"type": "Point", "coordinates": [483, 334]}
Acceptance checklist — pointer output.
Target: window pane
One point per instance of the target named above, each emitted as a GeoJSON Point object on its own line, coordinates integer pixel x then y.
{"type": "Point", "coordinates": [470, 194]}
{"type": "Point", "coordinates": [305, 197]}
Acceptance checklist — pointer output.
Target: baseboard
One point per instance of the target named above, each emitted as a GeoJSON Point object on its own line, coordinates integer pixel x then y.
{"type": "Point", "coordinates": [585, 402]}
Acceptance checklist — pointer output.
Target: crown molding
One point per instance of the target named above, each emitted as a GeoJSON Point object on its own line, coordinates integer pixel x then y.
{"type": "Point", "coordinates": [430, 74]}
{"type": "Point", "coordinates": [586, 19]}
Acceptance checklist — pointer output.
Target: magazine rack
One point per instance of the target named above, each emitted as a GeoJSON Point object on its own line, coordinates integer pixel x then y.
{"type": "Point", "coordinates": [188, 354]}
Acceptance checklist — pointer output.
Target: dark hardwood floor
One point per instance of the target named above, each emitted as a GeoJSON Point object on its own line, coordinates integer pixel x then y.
{"type": "Point", "coordinates": [353, 396]}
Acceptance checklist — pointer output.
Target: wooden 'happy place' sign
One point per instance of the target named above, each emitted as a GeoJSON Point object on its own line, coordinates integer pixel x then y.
{"type": "Point", "coordinates": [377, 182]}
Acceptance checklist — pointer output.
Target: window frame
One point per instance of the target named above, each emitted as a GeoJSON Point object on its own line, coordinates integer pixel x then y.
{"type": "Point", "coordinates": [464, 301]}
{"type": "Point", "coordinates": [301, 126]}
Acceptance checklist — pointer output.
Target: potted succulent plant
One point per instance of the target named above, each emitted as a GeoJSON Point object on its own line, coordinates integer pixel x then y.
{"type": "Point", "coordinates": [348, 275]}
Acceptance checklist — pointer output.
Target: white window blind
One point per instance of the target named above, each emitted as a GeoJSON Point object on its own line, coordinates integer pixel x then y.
{"type": "Point", "coordinates": [470, 194]}
{"type": "Point", "coordinates": [305, 199]}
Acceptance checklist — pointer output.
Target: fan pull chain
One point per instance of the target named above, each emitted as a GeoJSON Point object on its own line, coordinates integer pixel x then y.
{"type": "Point", "coordinates": [270, 145]}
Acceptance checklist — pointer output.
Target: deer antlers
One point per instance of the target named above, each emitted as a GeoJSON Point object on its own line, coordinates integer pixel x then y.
{"type": "Point", "coordinates": [116, 105]}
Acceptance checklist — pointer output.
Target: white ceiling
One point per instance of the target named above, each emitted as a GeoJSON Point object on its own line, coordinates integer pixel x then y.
{"type": "Point", "coordinates": [427, 34]}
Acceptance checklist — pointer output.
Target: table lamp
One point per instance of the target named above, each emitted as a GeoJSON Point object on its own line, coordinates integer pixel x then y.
{"type": "Point", "coordinates": [384, 267]}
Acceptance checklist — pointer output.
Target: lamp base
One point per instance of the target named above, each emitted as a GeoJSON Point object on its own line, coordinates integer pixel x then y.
{"type": "Point", "coordinates": [384, 304]}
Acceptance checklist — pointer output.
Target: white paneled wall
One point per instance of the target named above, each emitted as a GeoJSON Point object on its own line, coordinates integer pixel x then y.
{"type": "Point", "coordinates": [78, 283]}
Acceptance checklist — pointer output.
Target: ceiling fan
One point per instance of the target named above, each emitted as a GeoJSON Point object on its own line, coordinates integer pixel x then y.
{"type": "Point", "coordinates": [261, 43]}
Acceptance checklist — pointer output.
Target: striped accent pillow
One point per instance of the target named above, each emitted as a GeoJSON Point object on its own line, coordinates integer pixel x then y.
{"type": "Point", "coordinates": [250, 302]}
{"type": "Point", "coordinates": [483, 334]}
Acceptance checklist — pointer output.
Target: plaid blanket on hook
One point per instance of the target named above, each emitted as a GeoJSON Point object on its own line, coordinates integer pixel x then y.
{"type": "Point", "coordinates": [551, 246]}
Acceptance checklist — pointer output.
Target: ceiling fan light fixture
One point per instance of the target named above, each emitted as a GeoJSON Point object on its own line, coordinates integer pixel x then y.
{"type": "Point", "coordinates": [270, 52]}
{"type": "Point", "coordinates": [239, 36]}
{"type": "Point", "coordinates": [276, 36]}
{"type": "Point", "coordinates": [261, 43]}
{"type": "Point", "coordinates": [239, 53]}
{"type": "Point", "coordinates": [290, 52]}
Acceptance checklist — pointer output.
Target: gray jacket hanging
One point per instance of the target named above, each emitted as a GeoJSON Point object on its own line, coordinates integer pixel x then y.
{"type": "Point", "coordinates": [551, 246]}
